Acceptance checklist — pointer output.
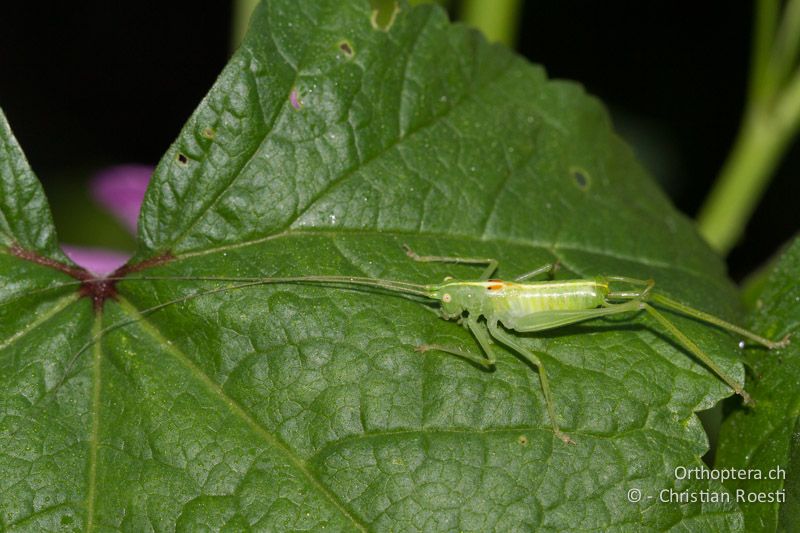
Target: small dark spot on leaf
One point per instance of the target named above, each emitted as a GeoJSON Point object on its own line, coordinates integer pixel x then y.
{"type": "Point", "coordinates": [582, 178]}
{"type": "Point", "coordinates": [383, 14]}
{"type": "Point", "coordinates": [208, 133]}
{"type": "Point", "coordinates": [523, 440]}
{"type": "Point", "coordinates": [294, 99]}
{"type": "Point", "coordinates": [346, 48]}
{"type": "Point", "coordinates": [182, 159]}
{"type": "Point", "coordinates": [66, 520]}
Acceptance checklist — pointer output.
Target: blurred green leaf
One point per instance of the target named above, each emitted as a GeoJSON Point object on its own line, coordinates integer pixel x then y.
{"type": "Point", "coordinates": [324, 145]}
{"type": "Point", "coordinates": [766, 438]}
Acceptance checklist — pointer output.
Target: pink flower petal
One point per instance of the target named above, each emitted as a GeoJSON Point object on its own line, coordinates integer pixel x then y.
{"type": "Point", "coordinates": [99, 261]}
{"type": "Point", "coordinates": [294, 99]}
{"type": "Point", "coordinates": [120, 190]}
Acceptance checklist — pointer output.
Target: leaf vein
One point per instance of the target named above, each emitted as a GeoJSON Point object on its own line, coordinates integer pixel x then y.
{"type": "Point", "coordinates": [237, 410]}
{"type": "Point", "coordinates": [552, 248]}
{"type": "Point", "coordinates": [94, 436]}
{"type": "Point", "coordinates": [62, 304]}
{"type": "Point", "coordinates": [434, 120]}
{"type": "Point", "coordinates": [216, 198]}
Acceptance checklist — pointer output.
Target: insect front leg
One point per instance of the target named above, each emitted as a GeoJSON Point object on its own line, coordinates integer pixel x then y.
{"type": "Point", "coordinates": [479, 331]}
{"type": "Point", "coordinates": [491, 264]}
{"type": "Point", "coordinates": [511, 342]}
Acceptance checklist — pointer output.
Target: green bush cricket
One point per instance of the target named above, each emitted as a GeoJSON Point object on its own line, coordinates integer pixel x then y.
{"type": "Point", "coordinates": [489, 308]}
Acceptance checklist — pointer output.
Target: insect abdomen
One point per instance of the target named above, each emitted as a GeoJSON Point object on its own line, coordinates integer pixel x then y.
{"type": "Point", "coordinates": [526, 298]}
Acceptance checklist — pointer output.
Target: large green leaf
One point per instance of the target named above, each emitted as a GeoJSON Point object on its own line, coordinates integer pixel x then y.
{"type": "Point", "coordinates": [325, 145]}
{"type": "Point", "coordinates": [765, 441]}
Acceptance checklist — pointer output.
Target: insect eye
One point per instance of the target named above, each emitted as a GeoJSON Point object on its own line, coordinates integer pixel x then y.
{"type": "Point", "coordinates": [446, 298]}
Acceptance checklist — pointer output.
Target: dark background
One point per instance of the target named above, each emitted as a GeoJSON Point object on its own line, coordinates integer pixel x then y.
{"type": "Point", "coordinates": [91, 84]}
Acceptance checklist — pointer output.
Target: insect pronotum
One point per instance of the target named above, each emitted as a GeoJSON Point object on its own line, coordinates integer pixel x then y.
{"type": "Point", "coordinates": [489, 308]}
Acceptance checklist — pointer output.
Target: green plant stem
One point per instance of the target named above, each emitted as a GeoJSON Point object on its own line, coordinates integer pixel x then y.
{"type": "Point", "coordinates": [766, 23]}
{"type": "Point", "coordinates": [787, 41]}
{"type": "Point", "coordinates": [740, 184]}
{"type": "Point", "coordinates": [444, 3]}
{"type": "Point", "coordinates": [497, 19]}
{"type": "Point", "coordinates": [771, 121]}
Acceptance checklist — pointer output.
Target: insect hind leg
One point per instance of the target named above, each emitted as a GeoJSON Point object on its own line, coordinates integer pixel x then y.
{"type": "Point", "coordinates": [641, 295]}
{"type": "Point", "coordinates": [697, 352]}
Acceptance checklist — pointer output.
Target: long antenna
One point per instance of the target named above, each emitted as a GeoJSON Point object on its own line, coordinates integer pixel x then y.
{"type": "Point", "coordinates": [241, 283]}
{"type": "Point", "coordinates": [390, 285]}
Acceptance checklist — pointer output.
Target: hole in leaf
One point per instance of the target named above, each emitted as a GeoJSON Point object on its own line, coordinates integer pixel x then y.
{"type": "Point", "coordinates": [383, 14]}
{"type": "Point", "coordinates": [346, 48]}
{"type": "Point", "coordinates": [582, 178]}
{"type": "Point", "coordinates": [182, 159]}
